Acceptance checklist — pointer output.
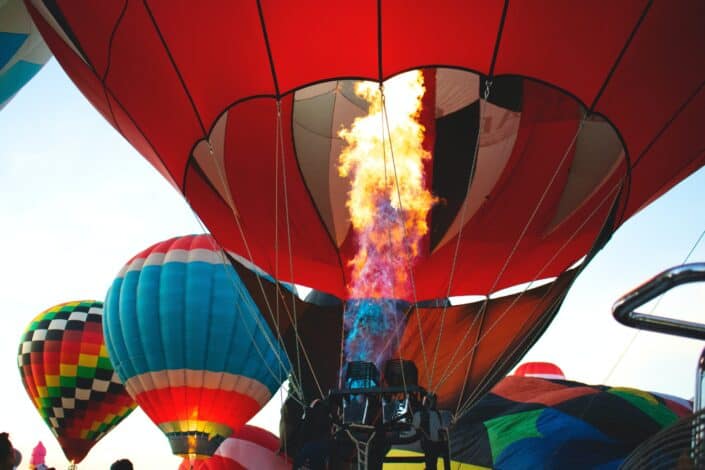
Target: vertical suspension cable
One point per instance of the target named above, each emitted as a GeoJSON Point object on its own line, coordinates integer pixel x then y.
{"type": "Point", "coordinates": [386, 131]}
{"type": "Point", "coordinates": [409, 267]}
{"type": "Point", "coordinates": [270, 311]}
{"type": "Point", "coordinates": [291, 256]}
{"type": "Point", "coordinates": [470, 360]}
{"type": "Point", "coordinates": [279, 153]}
{"type": "Point", "coordinates": [263, 329]}
{"type": "Point", "coordinates": [275, 320]}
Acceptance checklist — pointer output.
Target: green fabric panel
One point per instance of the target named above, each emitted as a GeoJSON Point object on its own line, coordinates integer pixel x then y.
{"type": "Point", "coordinates": [647, 404]}
{"type": "Point", "coordinates": [104, 363]}
{"type": "Point", "coordinates": [85, 372]}
{"type": "Point", "coordinates": [505, 430]}
{"type": "Point", "coordinates": [67, 381]}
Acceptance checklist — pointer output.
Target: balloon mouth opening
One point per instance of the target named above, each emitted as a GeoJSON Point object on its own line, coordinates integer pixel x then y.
{"type": "Point", "coordinates": [194, 445]}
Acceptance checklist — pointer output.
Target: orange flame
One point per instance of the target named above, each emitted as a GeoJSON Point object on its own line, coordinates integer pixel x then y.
{"type": "Point", "coordinates": [192, 445]}
{"type": "Point", "coordinates": [388, 200]}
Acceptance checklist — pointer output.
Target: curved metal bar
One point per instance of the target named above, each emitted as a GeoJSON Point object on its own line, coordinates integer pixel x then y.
{"type": "Point", "coordinates": [624, 313]}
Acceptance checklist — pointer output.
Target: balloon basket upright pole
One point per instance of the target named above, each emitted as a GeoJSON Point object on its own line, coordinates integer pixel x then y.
{"type": "Point", "coordinates": [73, 466]}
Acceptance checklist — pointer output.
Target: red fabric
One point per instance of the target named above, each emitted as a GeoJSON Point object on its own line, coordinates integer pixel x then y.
{"type": "Point", "coordinates": [462, 350]}
{"type": "Point", "coordinates": [530, 369]}
{"type": "Point", "coordinates": [534, 390]}
{"type": "Point", "coordinates": [571, 45]}
{"type": "Point", "coordinates": [177, 403]}
{"type": "Point", "coordinates": [268, 442]}
{"type": "Point", "coordinates": [171, 68]}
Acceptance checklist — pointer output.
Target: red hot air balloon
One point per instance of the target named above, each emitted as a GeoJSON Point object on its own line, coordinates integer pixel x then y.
{"type": "Point", "coordinates": [545, 134]}
{"type": "Point", "coordinates": [561, 147]}
{"type": "Point", "coordinates": [541, 370]}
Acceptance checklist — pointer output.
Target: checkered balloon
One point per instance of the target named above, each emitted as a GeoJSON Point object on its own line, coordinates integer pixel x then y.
{"type": "Point", "coordinates": [67, 373]}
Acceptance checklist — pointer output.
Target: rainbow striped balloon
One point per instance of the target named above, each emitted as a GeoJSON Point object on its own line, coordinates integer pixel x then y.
{"type": "Point", "coordinates": [65, 368]}
{"type": "Point", "coordinates": [190, 344]}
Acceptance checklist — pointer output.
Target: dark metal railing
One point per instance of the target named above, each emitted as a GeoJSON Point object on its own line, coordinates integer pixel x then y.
{"type": "Point", "coordinates": [624, 309]}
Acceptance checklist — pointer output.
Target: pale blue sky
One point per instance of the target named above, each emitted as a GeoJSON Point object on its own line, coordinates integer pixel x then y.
{"type": "Point", "coordinates": [77, 202]}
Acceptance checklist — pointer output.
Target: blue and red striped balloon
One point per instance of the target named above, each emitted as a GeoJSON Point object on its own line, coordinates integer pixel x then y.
{"type": "Point", "coordinates": [189, 343]}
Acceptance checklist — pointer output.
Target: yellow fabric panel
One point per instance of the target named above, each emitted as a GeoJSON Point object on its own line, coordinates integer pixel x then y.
{"type": "Point", "coordinates": [454, 465]}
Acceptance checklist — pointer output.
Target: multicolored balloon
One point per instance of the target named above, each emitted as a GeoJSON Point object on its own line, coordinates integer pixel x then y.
{"type": "Point", "coordinates": [22, 49]}
{"type": "Point", "coordinates": [67, 373]}
{"type": "Point", "coordinates": [527, 423]}
{"type": "Point", "coordinates": [190, 343]}
{"type": "Point", "coordinates": [249, 448]}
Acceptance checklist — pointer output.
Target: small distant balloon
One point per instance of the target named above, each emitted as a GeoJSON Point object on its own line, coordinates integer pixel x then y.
{"type": "Point", "coordinates": [541, 370]}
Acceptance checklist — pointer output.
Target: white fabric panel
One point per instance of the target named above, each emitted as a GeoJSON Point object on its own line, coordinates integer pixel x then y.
{"type": "Point", "coordinates": [207, 379]}
{"type": "Point", "coordinates": [338, 194]}
{"type": "Point", "coordinates": [195, 378]}
{"type": "Point", "coordinates": [251, 455]}
{"type": "Point", "coordinates": [181, 256]}
{"type": "Point", "coordinates": [546, 376]}
{"type": "Point", "coordinates": [598, 152]}
{"type": "Point", "coordinates": [175, 377]}
{"type": "Point", "coordinates": [14, 18]}
{"type": "Point", "coordinates": [315, 90]}
{"type": "Point", "coordinates": [319, 113]}
{"type": "Point", "coordinates": [523, 287]}
{"type": "Point", "coordinates": [80, 316]}
{"type": "Point", "coordinates": [315, 115]}
{"type": "Point", "coordinates": [455, 89]}
{"type": "Point", "coordinates": [191, 255]}
{"type": "Point", "coordinates": [312, 150]}
{"type": "Point", "coordinates": [213, 165]}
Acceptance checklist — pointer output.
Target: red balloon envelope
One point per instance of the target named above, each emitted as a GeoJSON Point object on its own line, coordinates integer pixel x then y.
{"type": "Point", "coordinates": [549, 124]}
{"type": "Point", "coordinates": [251, 447]}
{"type": "Point", "coordinates": [194, 87]}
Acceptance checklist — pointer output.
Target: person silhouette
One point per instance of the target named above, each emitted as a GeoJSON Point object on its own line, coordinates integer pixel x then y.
{"type": "Point", "coordinates": [122, 464]}
{"type": "Point", "coordinates": [10, 457]}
